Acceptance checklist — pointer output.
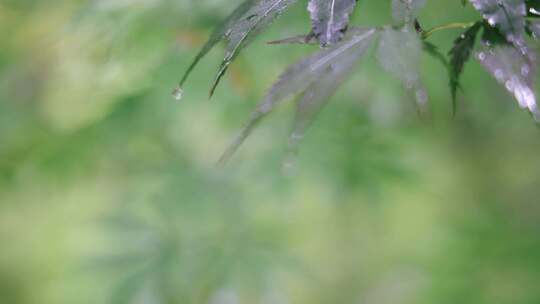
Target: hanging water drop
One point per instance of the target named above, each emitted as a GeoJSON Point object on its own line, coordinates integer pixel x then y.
{"type": "Point", "coordinates": [178, 93]}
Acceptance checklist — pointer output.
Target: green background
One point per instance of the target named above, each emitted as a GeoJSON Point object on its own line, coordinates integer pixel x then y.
{"type": "Point", "coordinates": [109, 193]}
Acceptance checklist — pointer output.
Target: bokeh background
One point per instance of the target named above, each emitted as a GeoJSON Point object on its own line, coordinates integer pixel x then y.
{"type": "Point", "coordinates": [109, 193]}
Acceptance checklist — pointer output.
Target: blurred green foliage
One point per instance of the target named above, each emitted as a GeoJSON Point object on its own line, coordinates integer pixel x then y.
{"type": "Point", "coordinates": [109, 194]}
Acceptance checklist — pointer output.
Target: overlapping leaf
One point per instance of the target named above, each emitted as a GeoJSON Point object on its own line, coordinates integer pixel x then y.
{"type": "Point", "coordinates": [318, 94]}
{"type": "Point", "coordinates": [312, 76]}
{"type": "Point", "coordinates": [507, 15]}
{"type": "Point", "coordinates": [330, 19]}
{"type": "Point", "coordinates": [399, 53]}
{"type": "Point", "coordinates": [459, 55]}
{"type": "Point", "coordinates": [511, 68]}
{"type": "Point", "coordinates": [249, 19]}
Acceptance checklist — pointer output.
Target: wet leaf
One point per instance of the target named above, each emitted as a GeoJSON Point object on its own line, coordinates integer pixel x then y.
{"type": "Point", "coordinates": [318, 94]}
{"type": "Point", "coordinates": [459, 55]}
{"type": "Point", "coordinates": [330, 19]}
{"type": "Point", "coordinates": [399, 53]}
{"type": "Point", "coordinates": [248, 20]}
{"type": "Point", "coordinates": [303, 76]}
{"type": "Point", "coordinates": [404, 11]}
{"type": "Point", "coordinates": [217, 35]}
{"type": "Point", "coordinates": [507, 15]}
{"type": "Point", "coordinates": [511, 68]}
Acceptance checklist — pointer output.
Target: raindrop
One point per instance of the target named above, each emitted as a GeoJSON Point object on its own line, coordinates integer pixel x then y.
{"type": "Point", "coordinates": [499, 74]}
{"type": "Point", "coordinates": [525, 70]}
{"type": "Point", "coordinates": [481, 56]}
{"type": "Point", "coordinates": [509, 85]}
{"type": "Point", "coordinates": [178, 93]}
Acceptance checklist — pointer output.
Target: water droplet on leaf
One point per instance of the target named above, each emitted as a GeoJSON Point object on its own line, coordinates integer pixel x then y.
{"type": "Point", "coordinates": [178, 93]}
{"type": "Point", "coordinates": [481, 56]}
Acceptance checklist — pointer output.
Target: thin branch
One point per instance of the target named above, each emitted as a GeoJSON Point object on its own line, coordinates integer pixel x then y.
{"type": "Point", "coordinates": [456, 25]}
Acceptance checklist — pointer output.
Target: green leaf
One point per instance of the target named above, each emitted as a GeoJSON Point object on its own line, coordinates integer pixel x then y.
{"type": "Point", "coordinates": [399, 53]}
{"type": "Point", "coordinates": [248, 20]}
{"type": "Point", "coordinates": [219, 33]}
{"type": "Point", "coordinates": [459, 55]}
{"type": "Point", "coordinates": [511, 68]}
{"type": "Point", "coordinates": [306, 76]}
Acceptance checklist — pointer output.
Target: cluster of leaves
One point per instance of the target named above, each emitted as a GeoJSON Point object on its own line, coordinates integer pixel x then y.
{"type": "Point", "coordinates": [504, 52]}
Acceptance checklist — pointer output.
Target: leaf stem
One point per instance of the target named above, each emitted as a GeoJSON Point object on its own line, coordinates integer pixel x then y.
{"type": "Point", "coordinates": [455, 25]}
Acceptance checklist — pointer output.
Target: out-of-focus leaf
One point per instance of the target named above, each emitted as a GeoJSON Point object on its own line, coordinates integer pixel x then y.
{"type": "Point", "coordinates": [459, 55]}
{"type": "Point", "coordinates": [330, 19]}
{"type": "Point", "coordinates": [249, 19]}
{"type": "Point", "coordinates": [318, 94]}
{"type": "Point", "coordinates": [300, 76]}
{"type": "Point", "coordinates": [399, 53]}
{"type": "Point", "coordinates": [511, 68]}
{"type": "Point", "coordinates": [507, 15]}
{"type": "Point", "coordinates": [404, 11]}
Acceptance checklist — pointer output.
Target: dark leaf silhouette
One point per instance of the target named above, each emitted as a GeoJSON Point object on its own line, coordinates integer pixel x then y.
{"type": "Point", "coordinates": [459, 55]}
{"type": "Point", "coordinates": [220, 33]}
{"type": "Point", "coordinates": [505, 53]}
{"type": "Point", "coordinates": [249, 19]}
{"type": "Point", "coordinates": [303, 76]}
{"type": "Point", "coordinates": [399, 53]}
{"type": "Point", "coordinates": [330, 19]}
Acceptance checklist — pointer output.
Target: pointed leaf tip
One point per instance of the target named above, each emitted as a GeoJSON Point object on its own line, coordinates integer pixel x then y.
{"type": "Point", "coordinates": [306, 76]}
{"type": "Point", "coordinates": [459, 55]}
{"type": "Point", "coordinates": [247, 20]}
